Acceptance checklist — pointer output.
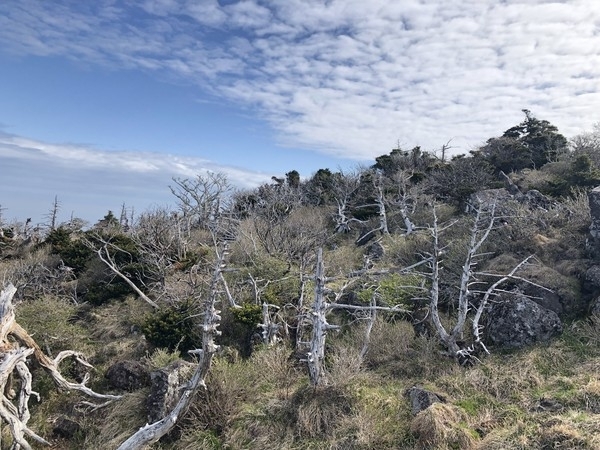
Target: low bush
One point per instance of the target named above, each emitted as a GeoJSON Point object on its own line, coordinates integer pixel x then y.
{"type": "Point", "coordinates": [173, 328]}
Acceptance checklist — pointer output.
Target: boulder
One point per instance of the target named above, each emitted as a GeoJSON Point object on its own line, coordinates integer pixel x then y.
{"type": "Point", "coordinates": [422, 399]}
{"type": "Point", "coordinates": [375, 251]}
{"type": "Point", "coordinates": [165, 388]}
{"type": "Point", "coordinates": [486, 198]}
{"type": "Point", "coordinates": [534, 199]}
{"type": "Point", "coordinates": [595, 307]}
{"type": "Point", "coordinates": [516, 321]}
{"type": "Point", "coordinates": [65, 428]}
{"type": "Point", "coordinates": [592, 278]}
{"type": "Point", "coordinates": [564, 296]}
{"type": "Point", "coordinates": [128, 375]}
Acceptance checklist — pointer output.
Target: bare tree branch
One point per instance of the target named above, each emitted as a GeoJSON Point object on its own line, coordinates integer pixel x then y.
{"type": "Point", "coordinates": [151, 433]}
{"type": "Point", "coordinates": [16, 345]}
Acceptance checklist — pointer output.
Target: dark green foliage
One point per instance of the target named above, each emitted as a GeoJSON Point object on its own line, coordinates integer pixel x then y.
{"type": "Point", "coordinates": [528, 145]}
{"type": "Point", "coordinates": [107, 222]}
{"type": "Point", "coordinates": [363, 202]}
{"type": "Point", "coordinates": [319, 189]}
{"type": "Point", "coordinates": [239, 326]}
{"type": "Point", "coordinates": [101, 292]}
{"type": "Point", "coordinates": [504, 154]}
{"type": "Point", "coordinates": [580, 174]}
{"type": "Point", "coordinates": [173, 328]}
{"type": "Point", "coordinates": [248, 314]}
{"type": "Point", "coordinates": [70, 248]}
{"type": "Point", "coordinates": [292, 179]}
{"type": "Point", "coordinates": [540, 138]}
{"type": "Point", "coordinates": [97, 283]}
{"type": "Point", "coordinates": [416, 161]}
{"type": "Point", "coordinates": [456, 181]}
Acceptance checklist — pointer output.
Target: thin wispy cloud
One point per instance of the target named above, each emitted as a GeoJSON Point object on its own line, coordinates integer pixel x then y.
{"type": "Point", "coordinates": [90, 181]}
{"type": "Point", "coordinates": [346, 78]}
{"type": "Point", "coordinates": [73, 157]}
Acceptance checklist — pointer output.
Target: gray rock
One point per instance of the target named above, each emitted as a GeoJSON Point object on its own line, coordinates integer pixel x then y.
{"type": "Point", "coordinates": [375, 251]}
{"type": "Point", "coordinates": [535, 199]}
{"type": "Point", "coordinates": [65, 428]}
{"type": "Point", "coordinates": [595, 307]}
{"type": "Point", "coordinates": [592, 278]}
{"type": "Point", "coordinates": [422, 399]}
{"type": "Point", "coordinates": [128, 375]}
{"type": "Point", "coordinates": [516, 321]}
{"type": "Point", "coordinates": [565, 297]}
{"type": "Point", "coordinates": [486, 198]}
{"type": "Point", "coordinates": [165, 388]}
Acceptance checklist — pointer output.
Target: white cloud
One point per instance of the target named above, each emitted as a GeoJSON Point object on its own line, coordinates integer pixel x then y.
{"type": "Point", "coordinates": [347, 77]}
{"type": "Point", "coordinates": [91, 181]}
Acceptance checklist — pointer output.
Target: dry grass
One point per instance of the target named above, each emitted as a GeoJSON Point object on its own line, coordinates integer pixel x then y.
{"type": "Point", "coordinates": [160, 358]}
{"type": "Point", "coordinates": [118, 422]}
{"type": "Point", "coordinates": [441, 426]}
{"type": "Point", "coordinates": [344, 259]}
{"type": "Point", "coordinates": [50, 321]}
{"type": "Point", "coordinates": [316, 413]}
{"type": "Point", "coordinates": [395, 351]}
{"type": "Point", "coordinates": [544, 397]}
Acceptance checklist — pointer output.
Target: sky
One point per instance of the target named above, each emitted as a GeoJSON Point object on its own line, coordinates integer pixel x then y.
{"type": "Point", "coordinates": [104, 102]}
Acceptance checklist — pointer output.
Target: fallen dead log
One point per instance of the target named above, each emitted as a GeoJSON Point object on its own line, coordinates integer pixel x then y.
{"type": "Point", "coordinates": [16, 347]}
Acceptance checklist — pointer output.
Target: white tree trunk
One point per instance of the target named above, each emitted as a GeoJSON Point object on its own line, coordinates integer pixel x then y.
{"type": "Point", "coordinates": [151, 433]}
{"type": "Point", "coordinates": [16, 346]}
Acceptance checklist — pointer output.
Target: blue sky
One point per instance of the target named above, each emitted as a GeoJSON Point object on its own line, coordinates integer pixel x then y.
{"type": "Point", "coordinates": [104, 102]}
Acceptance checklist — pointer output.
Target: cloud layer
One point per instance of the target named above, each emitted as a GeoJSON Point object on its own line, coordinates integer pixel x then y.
{"type": "Point", "coordinates": [89, 181]}
{"type": "Point", "coordinates": [346, 77]}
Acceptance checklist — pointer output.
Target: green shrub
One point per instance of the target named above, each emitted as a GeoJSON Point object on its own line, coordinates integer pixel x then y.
{"type": "Point", "coordinates": [239, 325]}
{"type": "Point", "coordinates": [174, 328]}
{"type": "Point", "coordinates": [73, 252]}
{"type": "Point", "coordinates": [248, 314]}
{"type": "Point", "coordinates": [101, 292]}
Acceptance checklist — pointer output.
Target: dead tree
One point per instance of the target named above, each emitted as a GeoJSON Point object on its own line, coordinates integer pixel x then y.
{"type": "Point", "coordinates": [269, 328]}
{"type": "Point", "coordinates": [16, 348]}
{"type": "Point", "coordinates": [159, 239]}
{"type": "Point", "coordinates": [103, 252]}
{"type": "Point", "coordinates": [201, 199]}
{"type": "Point", "coordinates": [151, 433]}
{"type": "Point", "coordinates": [344, 189]}
{"type": "Point", "coordinates": [320, 327]}
{"type": "Point", "coordinates": [454, 338]}
{"type": "Point", "coordinates": [403, 197]}
{"type": "Point", "coordinates": [53, 213]}
{"type": "Point", "coordinates": [380, 203]}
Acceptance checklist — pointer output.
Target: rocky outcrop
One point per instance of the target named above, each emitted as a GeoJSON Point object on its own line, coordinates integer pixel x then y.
{"type": "Point", "coordinates": [562, 294]}
{"type": "Point", "coordinates": [595, 307]}
{"type": "Point", "coordinates": [532, 199]}
{"type": "Point", "coordinates": [517, 321]}
{"type": "Point", "coordinates": [592, 278]}
{"type": "Point", "coordinates": [128, 375]}
{"type": "Point", "coordinates": [165, 388]}
{"type": "Point", "coordinates": [65, 427]}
